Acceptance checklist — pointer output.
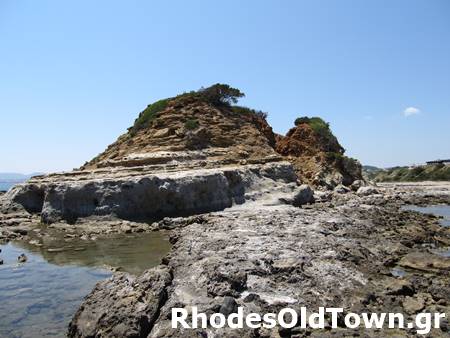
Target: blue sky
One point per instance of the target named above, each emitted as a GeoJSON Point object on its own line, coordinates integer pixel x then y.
{"type": "Point", "coordinates": [75, 74]}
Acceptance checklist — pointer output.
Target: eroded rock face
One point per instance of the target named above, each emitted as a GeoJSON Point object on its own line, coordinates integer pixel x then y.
{"type": "Point", "coordinates": [122, 306]}
{"type": "Point", "coordinates": [318, 160]}
{"type": "Point", "coordinates": [141, 196]}
{"type": "Point", "coordinates": [31, 197]}
{"type": "Point", "coordinates": [244, 136]}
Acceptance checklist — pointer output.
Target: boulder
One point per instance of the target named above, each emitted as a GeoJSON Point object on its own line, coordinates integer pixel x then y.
{"type": "Point", "coordinates": [122, 306]}
{"type": "Point", "coordinates": [366, 191]}
{"type": "Point", "coordinates": [300, 196]}
{"type": "Point", "coordinates": [341, 189]}
{"type": "Point", "coordinates": [303, 195]}
{"type": "Point", "coordinates": [357, 184]}
{"type": "Point", "coordinates": [22, 258]}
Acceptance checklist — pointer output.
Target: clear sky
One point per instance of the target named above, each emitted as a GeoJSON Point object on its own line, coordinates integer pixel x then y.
{"type": "Point", "coordinates": [75, 74]}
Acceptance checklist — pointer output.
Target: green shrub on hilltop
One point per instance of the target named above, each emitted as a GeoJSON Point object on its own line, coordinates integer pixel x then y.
{"type": "Point", "coordinates": [245, 110]}
{"type": "Point", "coordinates": [221, 94]}
{"type": "Point", "coordinates": [149, 114]}
{"type": "Point", "coordinates": [322, 129]}
{"type": "Point", "coordinates": [316, 123]}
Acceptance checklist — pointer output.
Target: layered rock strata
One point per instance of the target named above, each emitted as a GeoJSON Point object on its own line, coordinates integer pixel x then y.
{"type": "Point", "coordinates": [145, 196]}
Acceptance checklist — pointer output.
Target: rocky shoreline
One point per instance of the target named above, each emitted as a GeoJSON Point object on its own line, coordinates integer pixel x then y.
{"type": "Point", "coordinates": [92, 203]}
{"type": "Point", "coordinates": [246, 227]}
{"type": "Point", "coordinates": [362, 253]}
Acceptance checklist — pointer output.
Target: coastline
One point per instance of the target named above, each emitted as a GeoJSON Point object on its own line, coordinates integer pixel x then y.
{"type": "Point", "coordinates": [344, 252]}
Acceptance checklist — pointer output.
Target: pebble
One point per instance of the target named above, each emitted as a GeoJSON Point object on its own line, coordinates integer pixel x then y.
{"type": "Point", "coordinates": [22, 258]}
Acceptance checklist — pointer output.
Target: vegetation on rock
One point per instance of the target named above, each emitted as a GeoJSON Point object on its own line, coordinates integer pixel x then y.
{"type": "Point", "coordinates": [149, 113]}
{"type": "Point", "coordinates": [210, 118]}
{"type": "Point", "coordinates": [220, 94]}
{"type": "Point", "coordinates": [245, 110]}
{"type": "Point", "coordinates": [191, 124]}
{"type": "Point", "coordinates": [322, 129]}
{"type": "Point", "coordinates": [317, 155]}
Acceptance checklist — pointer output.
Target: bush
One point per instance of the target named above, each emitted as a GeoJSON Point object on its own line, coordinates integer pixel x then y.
{"type": "Point", "coordinates": [221, 94]}
{"type": "Point", "coordinates": [245, 110]}
{"type": "Point", "coordinates": [218, 95]}
{"type": "Point", "coordinates": [301, 120]}
{"type": "Point", "coordinates": [149, 114]}
{"type": "Point", "coordinates": [315, 123]}
{"type": "Point", "coordinates": [191, 124]}
{"type": "Point", "coordinates": [321, 128]}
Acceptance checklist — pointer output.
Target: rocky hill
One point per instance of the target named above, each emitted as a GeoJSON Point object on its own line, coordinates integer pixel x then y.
{"type": "Point", "coordinates": [316, 154]}
{"type": "Point", "coordinates": [195, 126]}
{"type": "Point", "coordinates": [192, 153]}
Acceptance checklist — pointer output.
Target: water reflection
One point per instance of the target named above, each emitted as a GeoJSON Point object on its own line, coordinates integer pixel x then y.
{"type": "Point", "coordinates": [39, 297]}
{"type": "Point", "coordinates": [437, 210]}
{"type": "Point", "coordinates": [132, 253]}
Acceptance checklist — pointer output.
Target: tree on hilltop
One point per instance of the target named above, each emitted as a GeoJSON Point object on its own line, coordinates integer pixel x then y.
{"type": "Point", "coordinates": [221, 94]}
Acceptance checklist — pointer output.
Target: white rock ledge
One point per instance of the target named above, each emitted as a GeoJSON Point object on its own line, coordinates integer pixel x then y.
{"type": "Point", "coordinates": [155, 195]}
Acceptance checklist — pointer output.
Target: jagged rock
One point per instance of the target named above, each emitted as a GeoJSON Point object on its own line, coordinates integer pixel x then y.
{"type": "Point", "coordinates": [357, 184]}
{"type": "Point", "coordinates": [197, 139]}
{"type": "Point", "coordinates": [122, 306]}
{"type": "Point", "coordinates": [20, 230]}
{"type": "Point", "coordinates": [341, 189]}
{"type": "Point", "coordinates": [302, 195]}
{"type": "Point", "coordinates": [316, 154]}
{"type": "Point", "coordinates": [228, 306]}
{"type": "Point", "coordinates": [398, 287]}
{"type": "Point", "coordinates": [322, 196]}
{"type": "Point", "coordinates": [22, 258]}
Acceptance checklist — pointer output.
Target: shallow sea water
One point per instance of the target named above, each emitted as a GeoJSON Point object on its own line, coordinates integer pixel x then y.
{"type": "Point", "coordinates": [39, 297]}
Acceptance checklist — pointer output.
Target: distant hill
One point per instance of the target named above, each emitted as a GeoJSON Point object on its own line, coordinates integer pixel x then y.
{"type": "Point", "coordinates": [369, 171]}
{"type": "Point", "coordinates": [7, 180]}
{"type": "Point", "coordinates": [436, 172]}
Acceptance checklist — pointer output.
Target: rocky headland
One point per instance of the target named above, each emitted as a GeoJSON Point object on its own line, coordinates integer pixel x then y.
{"type": "Point", "coordinates": [256, 220]}
{"type": "Point", "coordinates": [194, 153]}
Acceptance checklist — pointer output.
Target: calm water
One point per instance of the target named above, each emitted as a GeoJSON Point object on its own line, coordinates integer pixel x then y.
{"type": "Point", "coordinates": [39, 297]}
{"type": "Point", "coordinates": [4, 186]}
{"type": "Point", "coordinates": [438, 210]}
